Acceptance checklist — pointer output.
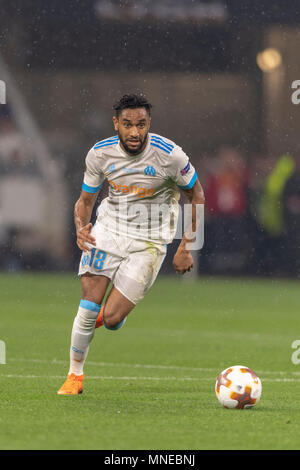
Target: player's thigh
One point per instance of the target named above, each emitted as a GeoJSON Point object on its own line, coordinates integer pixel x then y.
{"type": "Point", "coordinates": [94, 287]}
{"type": "Point", "coordinates": [137, 273]}
{"type": "Point", "coordinates": [116, 307]}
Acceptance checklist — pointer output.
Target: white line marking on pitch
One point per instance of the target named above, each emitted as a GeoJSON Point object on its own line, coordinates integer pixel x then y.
{"type": "Point", "coordinates": [147, 366]}
{"type": "Point", "coordinates": [104, 377]}
{"type": "Point", "coordinates": [115, 364]}
{"type": "Point", "coordinates": [110, 377]}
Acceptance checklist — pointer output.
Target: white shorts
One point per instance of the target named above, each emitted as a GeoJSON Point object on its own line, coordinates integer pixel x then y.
{"type": "Point", "coordinates": [132, 265]}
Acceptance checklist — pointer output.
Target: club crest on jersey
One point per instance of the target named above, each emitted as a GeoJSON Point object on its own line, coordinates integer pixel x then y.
{"type": "Point", "coordinates": [150, 170]}
{"type": "Point", "coordinates": [185, 170]}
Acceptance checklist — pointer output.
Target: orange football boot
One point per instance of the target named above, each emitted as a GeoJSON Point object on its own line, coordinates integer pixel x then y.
{"type": "Point", "coordinates": [72, 386]}
{"type": "Point", "coordinates": [99, 321]}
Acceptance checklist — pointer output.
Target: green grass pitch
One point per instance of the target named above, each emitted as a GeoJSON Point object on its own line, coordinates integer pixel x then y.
{"type": "Point", "coordinates": [150, 385]}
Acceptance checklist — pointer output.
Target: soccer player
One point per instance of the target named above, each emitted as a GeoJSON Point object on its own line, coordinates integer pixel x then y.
{"type": "Point", "coordinates": [127, 244]}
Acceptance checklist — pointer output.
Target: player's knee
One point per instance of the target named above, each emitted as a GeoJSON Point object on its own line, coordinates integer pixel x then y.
{"type": "Point", "coordinates": [112, 319]}
{"type": "Point", "coordinates": [87, 293]}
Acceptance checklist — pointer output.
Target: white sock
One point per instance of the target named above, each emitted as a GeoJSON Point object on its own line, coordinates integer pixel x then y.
{"type": "Point", "coordinates": [82, 335]}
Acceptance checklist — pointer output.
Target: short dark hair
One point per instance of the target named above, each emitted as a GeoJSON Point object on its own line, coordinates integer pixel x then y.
{"type": "Point", "coordinates": [132, 101]}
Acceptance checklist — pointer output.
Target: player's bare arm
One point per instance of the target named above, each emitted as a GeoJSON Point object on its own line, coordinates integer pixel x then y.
{"type": "Point", "coordinates": [82, 215]}
{"type": "Point", "coordinates": [183, 260]}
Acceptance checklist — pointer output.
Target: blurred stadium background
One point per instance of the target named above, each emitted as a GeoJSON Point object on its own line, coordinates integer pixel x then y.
{"type": "Point", "coordinates": [219, 74]}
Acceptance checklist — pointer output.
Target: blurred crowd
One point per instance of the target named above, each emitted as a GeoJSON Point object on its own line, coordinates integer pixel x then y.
{"type": "Point", "coordinates": [21, 199]}
{"type": "Point", "coordinates": [252, 218]}
{"type": "Point", "coordinates": [252, 213]}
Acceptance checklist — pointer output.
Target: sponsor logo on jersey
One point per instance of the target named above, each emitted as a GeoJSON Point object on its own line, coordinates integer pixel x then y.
{"type": "Point", "coordinates": [186, 169]}
{"type": "Point", "coordinates": [133, 189]}
{"type": "Point", "coordinates": [150, 170]}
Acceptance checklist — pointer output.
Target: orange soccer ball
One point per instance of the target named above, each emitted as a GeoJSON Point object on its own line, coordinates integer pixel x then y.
{"type": "Point", "coordinates": [238, 387]}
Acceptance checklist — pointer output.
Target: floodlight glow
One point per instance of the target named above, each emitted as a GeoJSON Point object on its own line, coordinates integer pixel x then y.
{"type": "Point", "coordinates": [269, 60]}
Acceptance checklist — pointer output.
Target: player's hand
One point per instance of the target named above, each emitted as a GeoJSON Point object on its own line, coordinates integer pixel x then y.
{"type": "Point", "coordinates": [183, 261]}
{"type": "Point", "coordinates": [84, 236]}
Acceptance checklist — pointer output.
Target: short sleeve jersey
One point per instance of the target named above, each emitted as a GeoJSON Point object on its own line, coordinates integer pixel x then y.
{"type": "Point", "coordinates": [143, 189]}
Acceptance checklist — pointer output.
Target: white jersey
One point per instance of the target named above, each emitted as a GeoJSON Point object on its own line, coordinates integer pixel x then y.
{"type": "Point", "coordinates": [143, 189]}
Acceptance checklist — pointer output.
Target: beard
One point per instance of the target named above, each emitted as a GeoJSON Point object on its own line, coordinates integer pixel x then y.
{"type": "Point", "coordinates": [133, 151]}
